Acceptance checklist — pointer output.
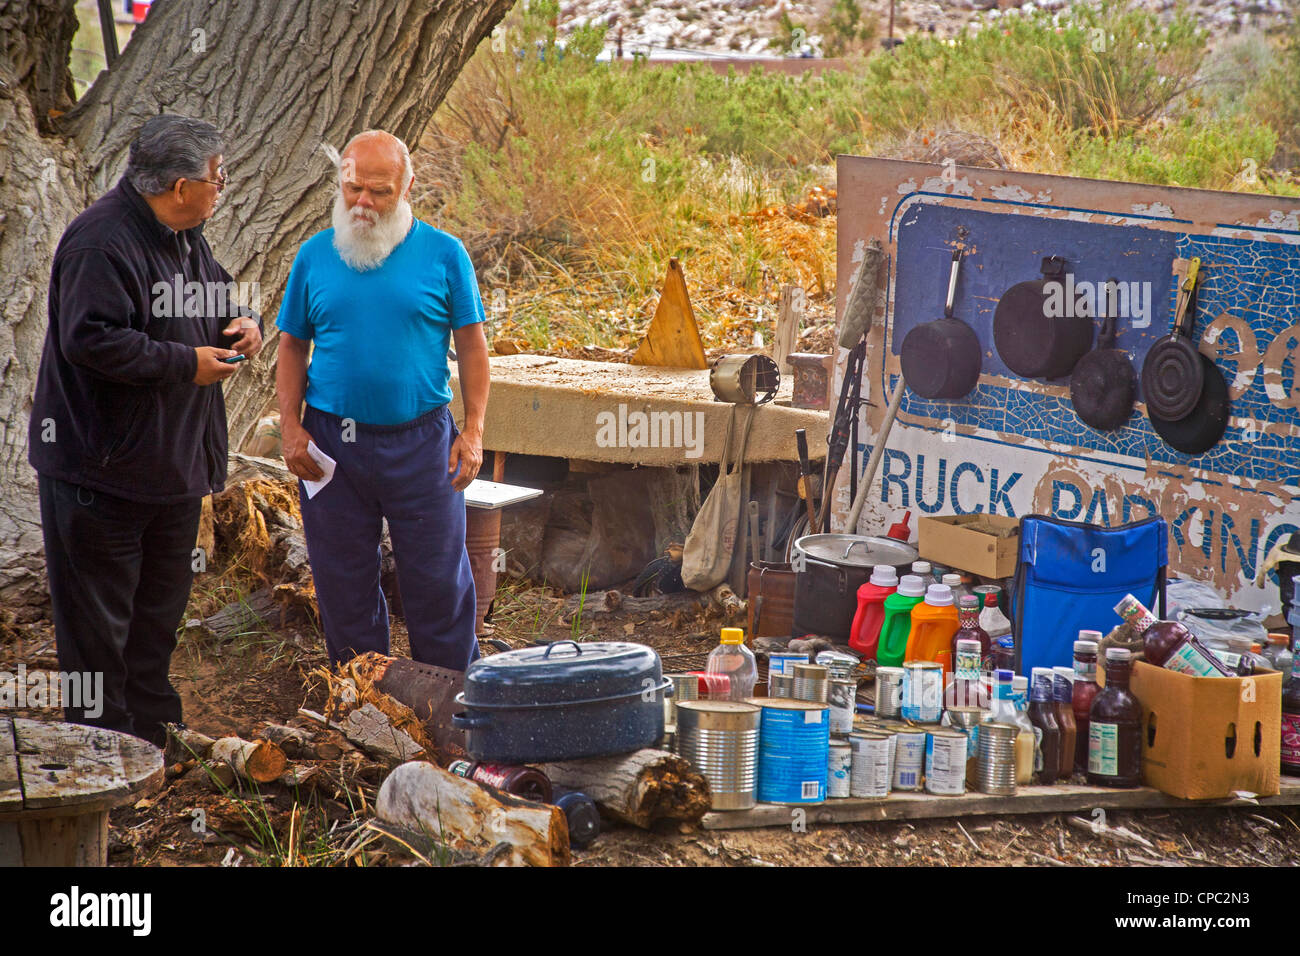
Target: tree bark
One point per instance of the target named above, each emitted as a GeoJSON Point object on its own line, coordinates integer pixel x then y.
{"type": "Point", "coordinates": [637, 788]}
{"type": "Point", "coordinates": [281, 81]}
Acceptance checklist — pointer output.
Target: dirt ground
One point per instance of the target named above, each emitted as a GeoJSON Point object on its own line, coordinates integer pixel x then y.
{"type": "Point", "coordinates": [239, 686]}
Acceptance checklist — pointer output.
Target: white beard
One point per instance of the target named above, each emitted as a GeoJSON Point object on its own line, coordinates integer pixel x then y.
{"type": "Point", "coordinates": [363, 239]}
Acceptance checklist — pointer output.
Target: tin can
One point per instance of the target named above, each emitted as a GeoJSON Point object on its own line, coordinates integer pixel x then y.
{"type": "Point", "coordinates": [839, 666]}
{"type": "Point", "coordinates": [871, 765]}
{"type": "Point", "coordinates": [720, 739]}
{"type": "Point", "coordinates": [811, 683]}
{"type": "Point", "coordinates": [968, 720]}
{"type": "Point", "coordinates": [793, 751]}
{"type": "Point", "coordinates": [783, 662]}
{"type": "Point", "coordinates": [889, 691]}
{"type": "Point", "coordinates": [780, 685]}
{"type": "Point", "coordinates": [922, 691]}
{"type": "Point", "coordinates": [945, 762]}
{"type": "Point", "coordinates": [843, 701]}
{"type": "Point", "coordinates": [839, 768]}
{"type": "Point", "coordinates": [909, 758]}
{"type": "Point", "coordinates": [996, 770]}
{"type": "Point", "coordinates": [685, 687]}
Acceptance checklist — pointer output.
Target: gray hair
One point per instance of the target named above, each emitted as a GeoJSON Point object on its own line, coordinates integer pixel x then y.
{"type": "Point", "coordinates": [168, 148]}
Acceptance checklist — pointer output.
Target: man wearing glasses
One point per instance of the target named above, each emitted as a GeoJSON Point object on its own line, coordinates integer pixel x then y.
{"type": "Point", "coordinates": [128, 424]}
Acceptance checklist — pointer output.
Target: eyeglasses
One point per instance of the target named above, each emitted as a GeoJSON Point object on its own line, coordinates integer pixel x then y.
{"type": "Point", "coordinates": [219, 183]}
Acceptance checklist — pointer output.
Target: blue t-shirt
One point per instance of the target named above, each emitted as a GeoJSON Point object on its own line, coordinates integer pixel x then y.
{"type": "Point", "coordinates": [381, 336]}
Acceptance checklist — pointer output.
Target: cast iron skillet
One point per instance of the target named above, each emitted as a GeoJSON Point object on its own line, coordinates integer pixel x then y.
{"type": "Point", "coordinates": [942, 359]}
{"type": "Point", "coordinates": [1102, 384]}
{"type": "Point", "coordinates": [1202, 428]}
{"type": "Point", "coordinates": [1030, 340]}
{"type": "Point", "coordinates": [1172, 375]}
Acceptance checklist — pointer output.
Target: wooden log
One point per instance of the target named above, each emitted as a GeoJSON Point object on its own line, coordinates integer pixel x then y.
{"type": "Point", "coordinates": [325, 750]}
{"type": "Point", "coordinates": [216, 775]}
{"type": "Point", "coordinates": [370, 729]}
{"type": "Point", "coordinates": [425, 798]}
{"type": "Point", "coordinates": [615, 602]}
{"type": "Point", "coordinates": [254, 613]}
{"type": "Point", "coordinates": [637, 788]}
{"type": "Point", "coordinates": [788, 314]}
{"type": "Point", "coordinates": [184, 744]}
{"type": "Point", "coordinates": [258, 761]}
{"type": "Point", "coordinates": [292, 740]}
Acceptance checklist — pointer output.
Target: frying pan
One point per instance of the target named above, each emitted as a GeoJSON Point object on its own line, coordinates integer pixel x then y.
{"type": "Point", "coordinates": [942, 359]}
{"type": "Point", "coordinates": [1030, 340]}
{"type": "Point", "coordinates": [1103, 384]}
{"type": "Point", "coordinates": [1172, 375]}
{"type": "Point", "coordinates": [1201, 429]}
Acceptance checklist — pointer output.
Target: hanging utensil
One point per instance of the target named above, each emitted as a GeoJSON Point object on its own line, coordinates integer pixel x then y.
{"type": "Point", "coordinates": [1172, 374]}
{"type": "Point", "coordinates": [1035, 339]}
{"type": "Point", "coordinates": [1103, 384]}
{"type": "Point", "coordinates": [942, 359]}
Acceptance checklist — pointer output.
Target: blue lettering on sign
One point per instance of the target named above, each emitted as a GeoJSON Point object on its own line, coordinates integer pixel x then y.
{"type": "Point", "coordinates": [1060, 511]}
{"type": "Point", "coordinates": [1207, 529]}
{"type": "Point", "coordinates": [957, 472]}
{"type": "Point", "coordinates": [1227, 534]}
{"type": "Point", "coordinates": [920, 484]}
{"type": "Point", "coordinates": [887, 475]}
{"type": "Point", "coordinates": [1134, 499]}
{"type": "Point", "coordinates": [1098, 513]}
{"type": "Point", "coordinates": [997, 494]}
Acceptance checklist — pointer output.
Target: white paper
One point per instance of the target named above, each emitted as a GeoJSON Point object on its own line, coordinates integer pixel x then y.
{"type": "Point", "coordinates": [326, 465]}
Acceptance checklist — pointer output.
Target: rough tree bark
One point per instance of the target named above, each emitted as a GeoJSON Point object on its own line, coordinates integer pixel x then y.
{"type": "Point", "coordinates": [282, 81]}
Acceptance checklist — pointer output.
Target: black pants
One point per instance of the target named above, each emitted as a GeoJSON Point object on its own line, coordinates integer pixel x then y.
{"type": "Point", "coordinates": [120, 573]}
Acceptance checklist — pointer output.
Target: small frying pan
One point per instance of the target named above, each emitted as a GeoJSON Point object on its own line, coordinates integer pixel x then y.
{"type": "Point", "coordinates": [1202, 428]}
{"type": "Point", "coordinates": [942, 359]}
{"type": "Point", "coordinates": [1172, 374]}
{"type": "Point", "coordinates": [1102, 385]}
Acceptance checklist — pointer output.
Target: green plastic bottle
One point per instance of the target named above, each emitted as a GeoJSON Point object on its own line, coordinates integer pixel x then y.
{"type": "Point", "coordinates": [898, 620]}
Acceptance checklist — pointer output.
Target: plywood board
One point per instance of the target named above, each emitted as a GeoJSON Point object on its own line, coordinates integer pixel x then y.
{"type": "Point", "coordinates": [11, 792]}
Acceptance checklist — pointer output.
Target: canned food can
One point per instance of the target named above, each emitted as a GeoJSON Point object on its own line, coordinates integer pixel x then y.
{"type": "Point", "coordinates": [945, 762]}
{"type": "Point", "coordinates": [810, 683]}
{"type": "Point", "coordinates": [460, 768]}
{"type": "Point", "coordinates": [995, 771]}
{"type": "Point", "coordinates": [889, 691]}
{"type": "Point", "coordinates": [780, 685]}
{"type": "Point", "coordinates": [685, 687]}
{"type": "Point", "coordinates": [839, 767]}
{"type": "Point", "coordinates": [871, 765]}
{"type": "Point", "coordinates": [793, 751]}
{"type": "Point", "coordinates": [909, 759]}
{"type": "Point", "coordinates": [783, 662]}
{"type": "Point", "coordinates": [922, 691]}
{"type": "Point", "coordinates": [839, 666]}
{"type": "Point", "coordinates": [844, 703]}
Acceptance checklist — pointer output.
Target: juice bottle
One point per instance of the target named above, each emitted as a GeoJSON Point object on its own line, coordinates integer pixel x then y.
{"type": "Point", "coordinates": [1062, 696]}
{"type": "Point", "coordinates": [968, 620]}
{"type": "Point", "coordinates": [1084, 691]}
{"type": "Point", "coordinates": [1027, 741]}
{"type": "Point", "coordinates": [864, 635]}
{"type": "Point", "coordinates": [963, 689]}
{"type": "Point", "coordinates": [732, 658]}
{"type": "Point", "coordinates": [1115, 728]}
{"type": "Point", "coordinates": [892, 647]}
{"type": "Point", "coordinates": [933, 625]}
{"type": "Point", "coordinates": [1169, 644]}
{"type": "Point", "coordinates": [1047, 732]}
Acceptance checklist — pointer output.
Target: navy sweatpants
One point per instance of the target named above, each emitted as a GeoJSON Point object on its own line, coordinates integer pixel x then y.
{"type": "Point", "coordinates": [398, 473]}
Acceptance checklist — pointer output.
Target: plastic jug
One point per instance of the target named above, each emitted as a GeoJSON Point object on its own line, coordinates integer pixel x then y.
{"type": "Point", "coordinates": [934, 622]}
{"type": "Point", "coordinates": [864, 636]}
{"type": "Point", "coordinates": [897, 624]}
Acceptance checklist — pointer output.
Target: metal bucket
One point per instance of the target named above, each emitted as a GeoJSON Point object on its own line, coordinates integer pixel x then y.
{"type": "Point", "coordinates": [771, 599]}
{"type": "Point", "coordinates": [793, 751]}
{"type": "Point", "coordinates": [482, 539]}
{"type": "Point", "coordinates": [720, 739]}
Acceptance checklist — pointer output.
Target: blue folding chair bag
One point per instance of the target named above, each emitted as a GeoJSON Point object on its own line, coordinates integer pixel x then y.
{"type": "Point", "coordinates": [1069, 577]}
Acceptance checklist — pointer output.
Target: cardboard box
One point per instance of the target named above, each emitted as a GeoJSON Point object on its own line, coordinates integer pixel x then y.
{"type": "Point", "coordinates": [987, 545]}
{"type": "Point", "coordinates": [1204, 737]}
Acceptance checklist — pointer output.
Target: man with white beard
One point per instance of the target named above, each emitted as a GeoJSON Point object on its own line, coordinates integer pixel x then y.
{"type": "Point", "coordinates": [380, 295]}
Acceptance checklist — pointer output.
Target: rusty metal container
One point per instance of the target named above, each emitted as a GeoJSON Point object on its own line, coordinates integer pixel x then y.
{"type": "Point", "coordinates": [482, 539]}
{"type": "Point", "coordinates": [812, 380]}
{"type": "Point", "coordinates": [771, 599]}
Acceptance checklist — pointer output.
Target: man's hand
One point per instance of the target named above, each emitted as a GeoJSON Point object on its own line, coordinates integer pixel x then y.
{"type": "Point", "coordinates": [250, 336]}
{"type": "Point", "coordinates": [293, 445]}
{"type": "Point", "coordinates": [210, 369]}
{"type": "Point", "coordinates": [466, 451]}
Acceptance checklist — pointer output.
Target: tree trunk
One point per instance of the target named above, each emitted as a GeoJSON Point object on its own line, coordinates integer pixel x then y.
{"type": "Point", "coordinates": [637, 788]}
{"type": "Point", "coordinates": [281, 81]}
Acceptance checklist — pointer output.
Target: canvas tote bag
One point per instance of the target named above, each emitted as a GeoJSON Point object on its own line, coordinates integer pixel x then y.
{"type": "Point", "coordinates": [706, 557]}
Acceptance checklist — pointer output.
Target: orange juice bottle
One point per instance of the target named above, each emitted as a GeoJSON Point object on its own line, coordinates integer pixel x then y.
{"type": "Point", "coordinates": [934, 622]}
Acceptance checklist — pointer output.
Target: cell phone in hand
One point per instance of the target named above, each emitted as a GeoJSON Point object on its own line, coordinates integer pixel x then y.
{"type": "Point", "coordinates": [234, 359]}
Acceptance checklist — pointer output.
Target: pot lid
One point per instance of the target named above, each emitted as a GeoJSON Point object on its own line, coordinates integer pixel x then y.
{"type": "Point", "coordinates": [856, 549]}
{"type": "Point", "coordinates": [565, 671]}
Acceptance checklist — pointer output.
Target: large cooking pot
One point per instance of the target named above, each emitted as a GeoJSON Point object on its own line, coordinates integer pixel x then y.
{"type": "Point", "coordinates": [1035, 338]}
{"type": "Point", "coordinates": [829, 569]}
{"type": "Point", "coordinates": [563, 701]}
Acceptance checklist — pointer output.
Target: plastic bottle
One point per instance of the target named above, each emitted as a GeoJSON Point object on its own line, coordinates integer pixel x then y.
{"type": "Point", "coordinates": [933, 625]}
{"type": "Point", "coordinates": [1004, 653]}
{"type": "Point", "coordinates": [1115, 728]}
{"type": "Point", "coordinates": [1277, 645]}
{"type": "Point", "coordinates": [897, 624]}
{"type": "Point", "coordinates": [864, 635]}
{"type": "Point", "coordinates": [1062, 696]}
{"type": "Point", "coordinates": [923, 570]}
{"type": "Point", "coordinates": [900, 531]}
{"type": "Point", "coordinates": [958, 589]}
{"type": "Point", "coordinates": [1047, 732]}
{"type": "Point", "coordinates": [992, 619]}
{"type": "Point", "coordinates": [1169, 644]}
{"type": "Point", "coordinates": [963, 689]}
{"type": "Point", "coordinates": [1006, 710]}
{"type": "Point", "coordinates": [733, 658]}
{"type": "Point", "coordinates": [1084, 691]}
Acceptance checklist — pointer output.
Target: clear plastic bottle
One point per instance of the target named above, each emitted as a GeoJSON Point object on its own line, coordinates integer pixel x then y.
{"type": "Point", "coordinates": [1027, 742]}
{"type": "Point", "coordinates": [959, 590]}
{"type": "Point", "coordinates": [1005, 712]}
{"type": "Point", "coordinates": [991, 617]}
{"type": "Point", "coordinates": [732, 658]}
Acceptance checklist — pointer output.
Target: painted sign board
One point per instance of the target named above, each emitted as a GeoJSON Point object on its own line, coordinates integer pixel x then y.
{"type": "Point", "coordinates": [1015, 446]}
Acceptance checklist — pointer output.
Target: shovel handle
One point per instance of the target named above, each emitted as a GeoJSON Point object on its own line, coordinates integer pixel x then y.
{"type": "Point", "coordinates": [869, 475]}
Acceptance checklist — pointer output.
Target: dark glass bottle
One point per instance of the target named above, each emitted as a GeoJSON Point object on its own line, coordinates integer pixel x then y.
{"type": "Point", "coordinates": [527, 782]}
{"type": "Point", "coordinates": [1115, 727]}
{"type": "Point", "coordinates": [1084, 691]}
{"type": "Point", "coordinates": [1169, 644]}
{"type": "Point", "coordinates": [968, 627]}
{"type": "Point", "coordinates": [1062, 697]}
{"type": "Point", "coordinates": [1042, 714]}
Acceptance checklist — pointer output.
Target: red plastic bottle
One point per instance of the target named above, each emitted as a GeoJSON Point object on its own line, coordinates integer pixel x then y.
{"type": "Point", "coordinates": [864, 635]}
{"type": "Point", "coordinates": [900, 530]}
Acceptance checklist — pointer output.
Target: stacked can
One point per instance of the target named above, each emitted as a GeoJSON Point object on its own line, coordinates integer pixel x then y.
{"type": "Point", "coordinates": [793, 751]}
{"type": "Point", "coordinates": [945, 762]}
{"type": "Point", "coordinates": [780, 685]}
{"type": "Point", "coordinates": [872, 764]}
{"type": "Point", "coordinates": [843, 701]}
{"type": "Point", "coordinates": [909, 758]}
{"type": "Point", "coordinates": [889, 691]}
{"type": "Point", "coordinates": [996, 771]}
{"type": "Point", "coordinates": [811, 683]}
{"type": "Point", "coordinates": [922, 691]}
{"type": "Point", "coordinates": [781, 664]}
{"type": "Point", "coordinates": [839, 768]}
